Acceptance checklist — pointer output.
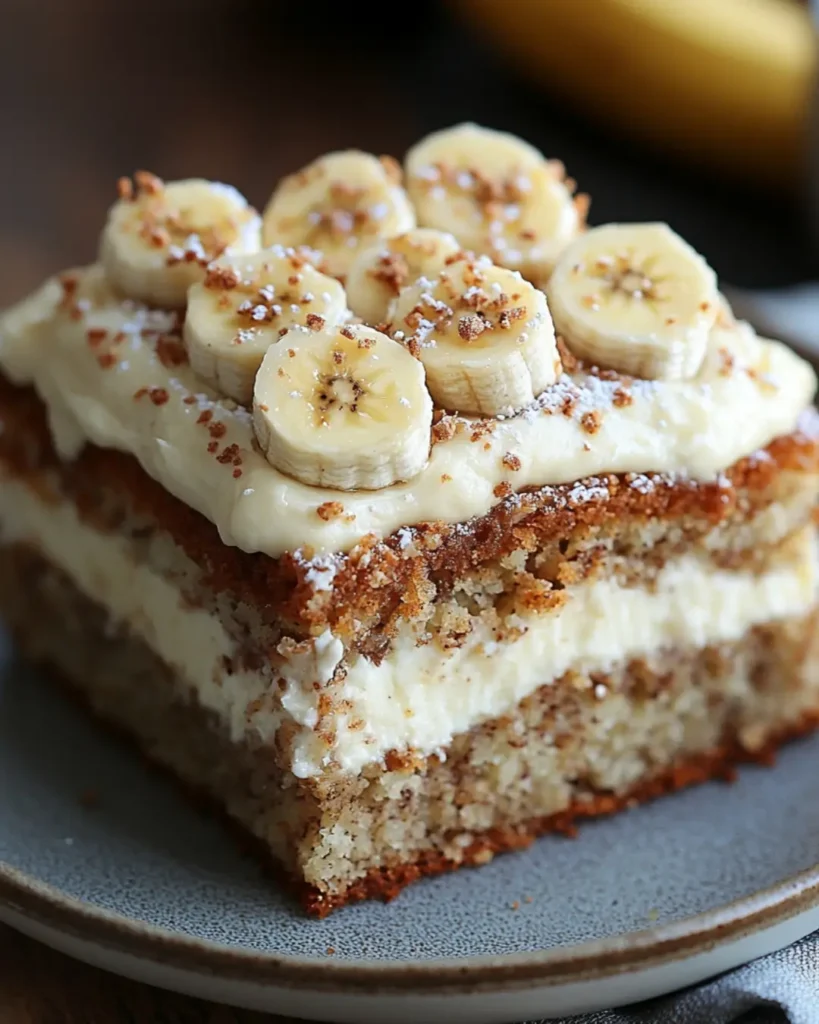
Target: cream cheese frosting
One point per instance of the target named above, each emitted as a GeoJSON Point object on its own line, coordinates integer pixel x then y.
{"type": "Point", "coordinates": [417, 697]}
{"type": "Point", "coordinates": [104, 378]}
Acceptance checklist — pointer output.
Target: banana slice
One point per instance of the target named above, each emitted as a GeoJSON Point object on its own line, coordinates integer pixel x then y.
{"type": "Point", "coordinates": [159, 238]}
{"type": "Point", "coordinates": [379, 273]}
{"type": "Point", "coordinates": [340, 202]}
{"type": "Point", "coordinates": [344, 407]}
{"type": "Point", "coordinates": [637, 298]}
{"type": "Point", "coordinates": [497, 194]}
{"type": "Point", "coordinates": [483, 333]}
{"type": "Point", "coordinates": [245, 304]}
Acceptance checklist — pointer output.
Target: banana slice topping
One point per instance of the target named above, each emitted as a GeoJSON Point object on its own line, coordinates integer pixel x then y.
{"type": "Point", "coordinates": [635, 298]}
{"type": "Point", "coordinates": [484, 335]}
{"type": "Point", "coordinates": [379, 272]}
{"type": "Point", "coordinates": [497, 194]}
{"type": "Point", "coordinates": [345, 407]}
{"type": "Point", "coordinates": [337, 204]}
{"type": "Point", "coordinates": [160, 237]}
{"type": "Point", "coordinates": [245, 304]}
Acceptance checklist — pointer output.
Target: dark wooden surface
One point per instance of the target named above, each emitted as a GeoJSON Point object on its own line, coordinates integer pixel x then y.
{"type": "Point", "coordinates": [39, 986]}
{"type": "Point", "coordinates": [244, 91]}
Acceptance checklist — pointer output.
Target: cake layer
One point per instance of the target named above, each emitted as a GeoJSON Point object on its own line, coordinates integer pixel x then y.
{"type": "Point", "coordinates": [115, 373]}
{"type": "Point", "coordinates": [565, 752]}
{"type": "Point", "coordinates": [440, 581]}
{"type": "Point", "coordinates": [327, 709]}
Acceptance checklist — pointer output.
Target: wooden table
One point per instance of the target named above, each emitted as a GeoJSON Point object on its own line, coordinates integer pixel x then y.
{"type": "Point", "coordinates": [39, 986]}
{"type": "Point", "coordinates": [243, 92]}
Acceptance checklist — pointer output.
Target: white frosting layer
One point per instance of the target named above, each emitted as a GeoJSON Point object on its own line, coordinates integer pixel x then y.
{"type": "Point", "coordinates": [747, 392]}
{"type": "Point", "coordinates": [418, 697]}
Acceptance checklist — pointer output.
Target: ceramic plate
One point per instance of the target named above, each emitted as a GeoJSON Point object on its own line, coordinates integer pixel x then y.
{"type": "Point", "coordinates": [657, 898]}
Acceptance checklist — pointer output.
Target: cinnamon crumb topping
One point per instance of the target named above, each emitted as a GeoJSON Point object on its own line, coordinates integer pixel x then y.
{"type": "Point", "coordinates": [96, 336]}
{"type": "Point", "coordinates": [590, 421]}
{"type": "Point", "coordinates": [106, 360]}
{"type": "Point", "coordinates": [205, 416]}
{"type": "Point", "coordinates": [329, 510]}
{"type": "Point", "coordinates": [392, 270]}
{"type": "Point", "coordinates": [503, 489]}
{"type": "Point", "coordinates": [159, 396]}
{"type": "Point", "coordinates": [511, 461]}
{"type": "Point", "coordinates": [315, 322]}
{"type": "Point", "coordinates": [507, 317]}
{"type": "Point", "coordinates": [221, 278]}
{"type": "Point", "coordinates": [443, 430]}
{"type": "Point", "coordinates": [471, 326]}
{"type": "Point", "coordinates": [480, 429]}
{"type": "Point", "coordinates": [228, 455]}
{"type": "Point", "coordinates": [171, 352]}
{"type": "Point", "coordinates": [622, 398]}
{"type": "Point", "coordinates": [217, 429]}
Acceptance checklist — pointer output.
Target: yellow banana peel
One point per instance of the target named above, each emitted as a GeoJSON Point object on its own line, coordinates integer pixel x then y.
{"type": "Point", "coordinates": [722, 82]}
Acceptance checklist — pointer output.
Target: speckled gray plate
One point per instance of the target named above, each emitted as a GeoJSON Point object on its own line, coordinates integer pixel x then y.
{"type": "Point", "coordinates": [645, 902]}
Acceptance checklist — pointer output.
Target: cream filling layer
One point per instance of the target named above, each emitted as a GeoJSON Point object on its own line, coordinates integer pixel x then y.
{"type": "Point", "coordinates": [747, 392]}
{"type": "Point", "coordinates": [418, 697]}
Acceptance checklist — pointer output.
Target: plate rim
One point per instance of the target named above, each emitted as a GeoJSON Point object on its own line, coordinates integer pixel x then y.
{"type": "Point", "coordinates": [596, 960]}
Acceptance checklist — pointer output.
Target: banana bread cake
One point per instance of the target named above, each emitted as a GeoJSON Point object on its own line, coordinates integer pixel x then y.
{"type": "Point", "coordinates": [413, 518]}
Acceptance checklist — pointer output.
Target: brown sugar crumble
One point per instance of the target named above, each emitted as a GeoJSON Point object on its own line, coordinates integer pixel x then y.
{"type": "Point", "coordinates": [511, 461]}
{"type": "Point", "coordinates": [229, 454]}
{"type": "Point", "coordinates": [96, 336]}
{"type": "Point", "coordinates": [315, 322]}
{"type": "Point", "coordinates": [391, 270]}
{"type": "Point", "coordinates": [622, 398]}
{"type": "Point", "coordinates": [443, 430]}
{"type": "Point", "coordinates": [171, 352]}
{"type": "Point", "coordinates": [590, 421]}
{"type": "Point", "coordinates": [329, 510]}
{"type": "Point", "coordinates": [503, 489]}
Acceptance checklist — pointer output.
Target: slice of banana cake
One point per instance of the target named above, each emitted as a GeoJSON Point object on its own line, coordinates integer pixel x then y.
{"type": "Point", "coordinates": [412, 518]}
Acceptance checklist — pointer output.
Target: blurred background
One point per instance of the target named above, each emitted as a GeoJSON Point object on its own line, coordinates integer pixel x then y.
{"type": "Point", "coordinates": [691, 111]}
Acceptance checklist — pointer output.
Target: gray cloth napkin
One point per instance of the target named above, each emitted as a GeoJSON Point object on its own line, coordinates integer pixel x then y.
{"type": "Point", "coordinates": [782, 988]}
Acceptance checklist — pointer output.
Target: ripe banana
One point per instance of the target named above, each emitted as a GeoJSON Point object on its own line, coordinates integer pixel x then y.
{"type": "Point", "coordinates": [338, 203]}
{"type": "Point", "coordinates": [344, 407]}
{"type": "Point", "coordinates": [379, 273]}
{"type": "Point", "coordinates": [245, 304]}
{"type": "Point", "coordinates": [724, 83]}
{"type": "Point", "coordinates": [483, 334]}
{"type": "Point", "coordinates": [497, 194]}
{"type": "Point", "coordinates": [159, 238]}
{"type": "Point", "coordinates": [636, 298]}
